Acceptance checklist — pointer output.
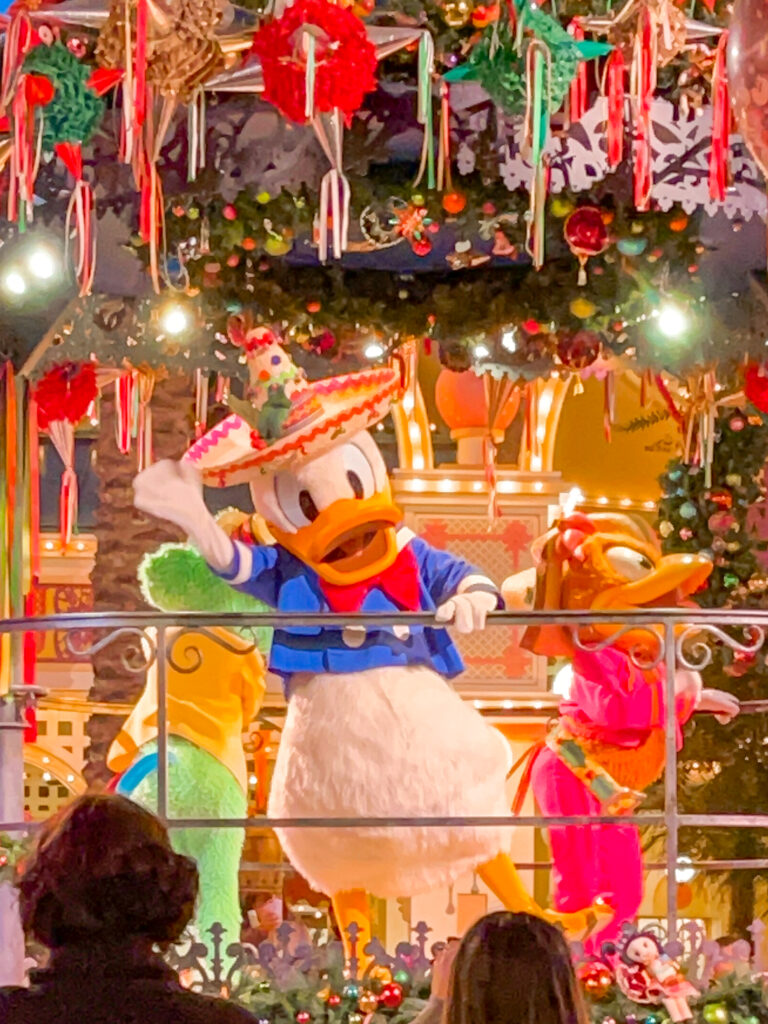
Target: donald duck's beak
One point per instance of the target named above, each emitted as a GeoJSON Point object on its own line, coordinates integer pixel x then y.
{"type": "Point", "coordinates": [350, 541]}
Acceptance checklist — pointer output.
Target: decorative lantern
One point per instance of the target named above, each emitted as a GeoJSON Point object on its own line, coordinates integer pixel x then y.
{"type": "Point", "coordinates": [474, 414]}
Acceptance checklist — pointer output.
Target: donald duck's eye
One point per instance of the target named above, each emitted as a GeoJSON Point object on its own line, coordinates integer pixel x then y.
{"type": "Point", "coordinates": [631, 564]}
{"type": "Point", "coordinates": [296, 503]}
{"type": "Point", "coordinates": [359, 472]}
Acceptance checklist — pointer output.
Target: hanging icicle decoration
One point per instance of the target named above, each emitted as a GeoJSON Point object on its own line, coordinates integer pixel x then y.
{"type": "Point", "coordinates": [613, 88]}
{"type": "Point", "coordinates": [196, 134]}
{"type": "Point", "coordinates": [335, 192]}
{"type": "Point", "coordinates": [643, 87]}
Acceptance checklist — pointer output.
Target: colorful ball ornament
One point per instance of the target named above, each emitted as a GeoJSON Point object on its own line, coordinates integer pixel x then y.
{"type": "Point", "coordinates": [721, 497]}
{"type": "Point", "coordinates": [632, 246]}
{"type": "Point", "coordinates": [454, 202]}
{"type": "Point", "coordinates": [303, 1017]}
{"type": "Point", "coordinates": [688, 510]}
{"type": "Point", "coordinates": [577, 350]}
{"type": "Point", "coordinates": [355, 1018]}
{"type": "Point", "coordinates": [351, 990]}
{"type": "Point", "coordinates": [276, 245]}
{"type": "Point", "coordinates": [391, 996]}
{"type": "Point", "coordinates": [560, 207]}
{"type": "Point", "coordinates": [334, 999]}
{"type": "Point", "coordinates": [582, 308]}
{"type": "Point", "coordinates": [596, 979]}
{"type": "Point", "coordinates": [737, 422]}
{"type": "Point", "coordinates": [715, 1013]}
{"type": "Point", "coordinates": [368, 1003]}
{"type": "Point", "coordinates": [586, 235]}
{"type": "Point", "coordinates": [456, 13]}
{"type": "Point", "coordinates": [402, 977]}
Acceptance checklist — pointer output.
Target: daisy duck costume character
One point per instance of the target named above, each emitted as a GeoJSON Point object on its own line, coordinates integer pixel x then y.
{"type": "Point", "coordinates": [608, 743]}
{"type": "Point", "coordinates": [373, 728]}
{"type": "Point", "coordinates": [645, 974]}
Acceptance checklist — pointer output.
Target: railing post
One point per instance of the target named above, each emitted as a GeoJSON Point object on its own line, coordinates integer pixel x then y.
{"type": "Point", "coordinates": [11, 809]}
{"type": "Point", "coordinates": [162, 724]}
{"type": "Point", "coordinates": [670, 776]}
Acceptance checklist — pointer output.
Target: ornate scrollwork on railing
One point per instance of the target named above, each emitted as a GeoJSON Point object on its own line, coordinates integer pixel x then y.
{"type": "Point", "coordinates": [192, 655]}
{"type": "Point", "coordinates": [695, 653]}
{"type": "Point", "coordinates": [639, 653]}
{"type": "Point", "coordinates": [135, 658]}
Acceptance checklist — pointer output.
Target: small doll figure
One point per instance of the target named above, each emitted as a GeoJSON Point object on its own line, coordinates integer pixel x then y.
{"type": "Point", "coordinates": [646, 974]}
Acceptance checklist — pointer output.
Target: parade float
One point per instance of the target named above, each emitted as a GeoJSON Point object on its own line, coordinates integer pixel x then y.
{"type": "Point", "coordinates": [520, 226]}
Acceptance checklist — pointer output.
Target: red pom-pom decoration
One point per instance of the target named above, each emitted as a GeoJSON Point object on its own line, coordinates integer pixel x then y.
{"type": "Point", "coordinates": [65, 393]}
{"type": "Point", "coordinates": [345, 59]}
{"type": "Point", "coordinates": [756, 386]}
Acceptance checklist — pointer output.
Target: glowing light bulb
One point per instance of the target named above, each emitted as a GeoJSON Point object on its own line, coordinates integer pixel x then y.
{"type": "Point", "coordinates": [481, 351]}
{"type": "Point", "coordinates": [509, 339]}
{"type": "Point", "coordinates": [14, 283]}
{"type": "Point", "coordinates": [561, 684]}
{"type": "Point", "coordinates": [413, 431]}
{"type": "Point", "coordinates": [418, 462]}
{"type": "Point", "coordinates": [684, 872]}
{"type": "Point", "coordinates": [373, 350]}
{"type": "Point", "coordinates": [41, 263]}
{"type": "Point", "coordinates": [545, 404]}
{"type": "Point", "coordinates": [47, 776]}
{"type": "Point", "coordinates": [672, 321]}
{"type": "Point", "coordinates": [175, 320]}
{"type": "Point", "coordinates": [70, 778]}
{"type": "Point", "coordinates": [538, 486]}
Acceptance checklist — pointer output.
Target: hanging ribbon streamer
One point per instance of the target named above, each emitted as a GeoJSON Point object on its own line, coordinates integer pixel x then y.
{"type": "Point", "coordinates": [335, 192]}
{"type": "Point", "coordinates": [201, 402]}
{"type": "Point", "coordinates": [261, 739]}
{"type": "Point", "coordinates": [145, 386]}
{"type": "Point", "coordinates": [444, 176]}
{"type": "Point", "coordinates": [643, 87]}
{"type": "Point", "coordinates": [309, 43]}
{"type": "Point", "coordinates": [26, 152]}
{"type": "Point", "coordinates": [18, 42]}
{"type": "Point", "coordinates": [151, 216]}
{"type": "Point", "coordinates": [721, 125]}
{"type": "Point", "coordinates": [196, 135]}
{"type": "Point", "coordinates": [613, 79]}
{"type": "Point", "coordinates": [424, 109]}
{"type": "Point", "coordinates": [578, 92]}
{"type": "Point", "coordinates": [538, 86]}
{"type": "Point", "coordinates": [6, 374]}
{"type": "Point", "coordinates": [125, 388]}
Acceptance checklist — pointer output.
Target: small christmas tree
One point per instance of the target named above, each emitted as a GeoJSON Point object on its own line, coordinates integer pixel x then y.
{"type": "Point", "coordinates": [725, 769]}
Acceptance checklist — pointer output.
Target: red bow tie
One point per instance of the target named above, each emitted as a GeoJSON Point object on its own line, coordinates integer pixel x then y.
{"type": "Point", "coordinates": [400, 582]}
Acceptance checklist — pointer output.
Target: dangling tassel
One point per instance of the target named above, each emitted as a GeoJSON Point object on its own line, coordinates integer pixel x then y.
{"type": "Point", "coordinates": [424, 109]}
{"type": "Point", "coordinates": [196, 135]}
{"type": "Point", "coordinates": [201, 402]}
{"type": "Point", "coordinates": [491, 479]}
{"type": "Point", "coordinates": [614, 87]}
{"type": "Point", "coordinates": [335, 193]}
{"type": "Point", "coordinates": [577, 92]}
{"type": "Point", "coordinates": [643, 89]}
{"type": "Point", "coordinates": [151, 216]}
{"type": "Point", "coordinates": [62, 434]}
{"type": "Point", "coordinates": [721, 125]}
{"type": "Point", "coordinates": [125, 387]}
{"type": "Point", "coordinates": [25, 155]}
{"type": "Point", "coordinates": [538, 78]}
{"type": "Point", "coordinates": [79, 217]}
{"type": "Point", "coordinates": [18, 42]}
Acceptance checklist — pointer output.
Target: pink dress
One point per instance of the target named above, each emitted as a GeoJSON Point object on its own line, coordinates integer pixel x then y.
{"type": "Point", "coordinates": [614, 702]}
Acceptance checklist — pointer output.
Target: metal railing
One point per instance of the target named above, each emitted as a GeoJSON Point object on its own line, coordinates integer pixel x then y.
{"type": "Point", "coordinates": [676, 639]}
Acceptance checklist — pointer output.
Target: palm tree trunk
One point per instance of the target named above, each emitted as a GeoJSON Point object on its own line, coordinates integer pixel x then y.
{"type": "Point", "coordinates": [124, 535]}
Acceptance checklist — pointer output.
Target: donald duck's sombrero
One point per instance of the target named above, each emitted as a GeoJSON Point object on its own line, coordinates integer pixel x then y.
{"type": "Point", "coordinates": [284, 417]}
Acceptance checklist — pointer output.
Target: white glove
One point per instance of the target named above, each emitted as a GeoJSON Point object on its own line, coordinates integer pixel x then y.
{"type": "Point", "coordinates": [723, 705]}
{"type": "Point", "coordinates": [174, 491]}
{"type": "Point", "coordinates": [469, 611]}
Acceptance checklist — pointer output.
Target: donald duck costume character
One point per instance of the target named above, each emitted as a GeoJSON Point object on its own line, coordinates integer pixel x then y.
{"type": "Point", "coordinates": [373, 729]}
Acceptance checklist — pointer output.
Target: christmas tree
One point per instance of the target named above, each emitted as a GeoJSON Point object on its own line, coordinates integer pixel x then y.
{"type": "Point", "coordinates": [725, 768]}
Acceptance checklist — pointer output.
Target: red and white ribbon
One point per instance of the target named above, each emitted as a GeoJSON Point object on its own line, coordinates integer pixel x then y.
{"type": "Point", "coordinates": [62, 434]}
{"type": "Point", "coordinates": [613, 87]}
{"type": "Point", "coordinates": [643, 87]}
{"type": "Point", "coordinates": [335, 193]}
{"type": "Point", "coordinates": [721, 125]}
{"type": "Point", "coordinates": [125, 393]}
{"type": "Point", "coordinates": [578, 90]}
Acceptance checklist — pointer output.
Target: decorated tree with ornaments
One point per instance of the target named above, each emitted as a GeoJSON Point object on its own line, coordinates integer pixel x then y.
{"type": "Point", "coordinates": [712, 510]}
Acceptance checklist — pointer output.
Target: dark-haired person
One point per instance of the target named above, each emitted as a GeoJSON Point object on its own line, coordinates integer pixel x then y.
{"type": "Point", "coordinates": [509, 969]}
{"type": "Point", "coordinates": [104, 890]}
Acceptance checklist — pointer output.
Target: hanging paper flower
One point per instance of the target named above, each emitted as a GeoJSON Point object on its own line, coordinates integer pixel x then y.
{"type": "Point", "coordinates": [586, 235]}
{"type": "Point", "coordinates": [65, 393]}
{"type": "Point", "coordinates": [63, 397]}
{"type": "Point", "coordinates": [316, 47]}
{"type": "Point", "coordinates": [73, 109]}
{"type": "Point", "coordinates": [756, 386]}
